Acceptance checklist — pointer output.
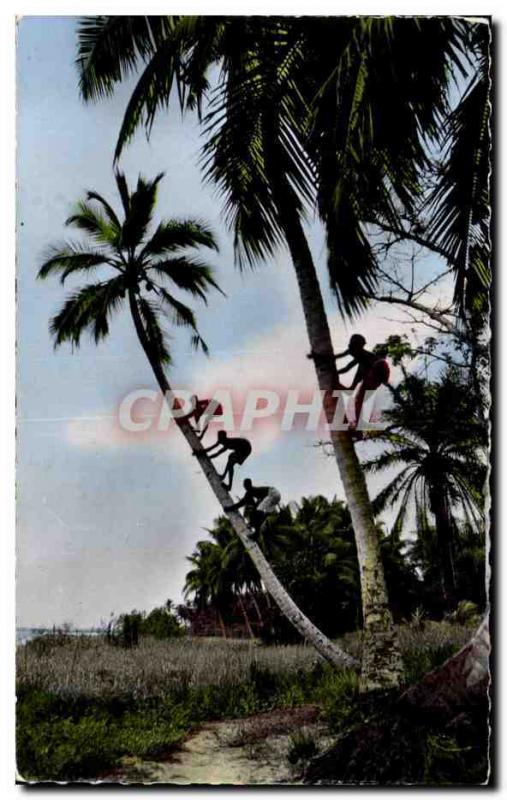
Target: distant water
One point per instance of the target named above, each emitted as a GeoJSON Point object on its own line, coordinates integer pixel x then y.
{"type": "Point", "coordinates": [23, 635]}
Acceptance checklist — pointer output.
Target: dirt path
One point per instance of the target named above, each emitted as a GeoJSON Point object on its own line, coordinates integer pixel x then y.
{"type": "Point", "coordinates": [245, 751]}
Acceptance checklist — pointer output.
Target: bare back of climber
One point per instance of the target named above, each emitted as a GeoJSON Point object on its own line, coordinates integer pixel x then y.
{"type": "Point", "coordinates": [240, 450]}
{"type": "Point", "coordinates": [258, 501]}
{"type": "Point", "coordinates": [372, 371]}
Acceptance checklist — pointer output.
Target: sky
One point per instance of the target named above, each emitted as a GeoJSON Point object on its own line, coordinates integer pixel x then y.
{"type": "Point", "coordinates": [105, 522]}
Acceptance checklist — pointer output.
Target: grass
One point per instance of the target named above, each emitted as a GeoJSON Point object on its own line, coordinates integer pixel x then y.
{"type": "Point", "coordinates": [302, 747]}
{"type": "Point", "coordinates": [84, 704]}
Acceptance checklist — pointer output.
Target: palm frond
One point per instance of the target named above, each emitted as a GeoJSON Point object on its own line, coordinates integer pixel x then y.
{"type": "Point", "coordinates": [87, 309]}
{"type": "Point", "coordinates": [253, 145]}
{"type": "Point", "coordinates": [70, 257]}
{"type": "Point", "coordinates": [179, 234]}
{"type": "Point", "coordinates": [459, 205]}
{"type": "Point", "coordinates": [123, 191]}
{"type": "Point", "coordinates": [110, 48]}
{"type": "Point", "coordinates": [400, 455]}
{"type": "Point", "coordinates": [113, 218]}
{"type": "Point", "coordinates": [151, 93]}
{"type": "Point", "coordinates": [369, 167]}
{"type": "Point", "coordinates": [142, 203]}
{"type": "Point", "coordinates": [391, 493]}
{"type": "Point", "coordinates": [183, 316]}
{"type": "Point", "coordinates": [187, 274]}
{"type": "Point", "coordinates": [88, 219]}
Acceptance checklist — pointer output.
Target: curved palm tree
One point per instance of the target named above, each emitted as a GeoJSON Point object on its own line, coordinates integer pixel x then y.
{"type": "Point", "coordinates": [436, 440]}
{"type": "Point", "coordinates": [142, 266]}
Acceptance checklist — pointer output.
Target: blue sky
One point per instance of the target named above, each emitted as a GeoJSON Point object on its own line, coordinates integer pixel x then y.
{"type": "Point", "coordinates": [105, 526]}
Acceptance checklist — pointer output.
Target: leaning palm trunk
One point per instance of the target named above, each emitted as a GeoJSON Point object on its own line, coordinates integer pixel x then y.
{"type": "Point", "coordinates": [327, 649]}
{"type": "Point", "coordinates": [448, 689]}
{"type": "Point", "coordinates": [381, 665]}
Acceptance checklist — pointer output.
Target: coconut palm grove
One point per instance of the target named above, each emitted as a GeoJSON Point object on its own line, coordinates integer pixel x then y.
{"type": "Point", "coordinates": [253, 528]}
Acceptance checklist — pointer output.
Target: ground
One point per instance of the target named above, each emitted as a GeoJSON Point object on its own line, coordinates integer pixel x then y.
{"type": "Point", "coordinates": [248, 751]}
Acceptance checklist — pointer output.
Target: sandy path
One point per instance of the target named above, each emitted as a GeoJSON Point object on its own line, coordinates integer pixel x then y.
{"type": "Point", "coordinates": [247, 751]}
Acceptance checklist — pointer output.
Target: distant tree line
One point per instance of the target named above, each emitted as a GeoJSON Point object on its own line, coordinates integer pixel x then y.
{"type": "Point", "coordinates": [160, 623]}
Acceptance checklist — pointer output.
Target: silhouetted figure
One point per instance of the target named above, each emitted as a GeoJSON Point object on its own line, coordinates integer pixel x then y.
{"type": "Point", "coordinates": [372, 371]}
{"type": "Point", "coordinates": [258, 501]}
{"type": "Point", "coordinates": [240, 450]}
{"type": "Point", "coordinates": [199, 407]}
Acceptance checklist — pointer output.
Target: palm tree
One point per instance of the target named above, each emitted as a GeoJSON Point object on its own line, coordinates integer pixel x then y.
{"type": "Point", "coordinates": [222, 571]}
{"type": "Point", "coordinates": [436, 440]}
{"type": "Point", "coordinates": [273, 153]}
{"type": "Point", "coordinates": [141, 266]}
{"type": "Point", "coordinates": [459, 205]}
{"type": "Point", "coordinates": [208, 582]}
{"type": "Point", "coordinates": [320, 564]}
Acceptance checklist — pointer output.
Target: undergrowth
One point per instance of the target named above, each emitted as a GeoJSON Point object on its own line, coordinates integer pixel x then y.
{"type": "Point", "coordinates": [83, 705]}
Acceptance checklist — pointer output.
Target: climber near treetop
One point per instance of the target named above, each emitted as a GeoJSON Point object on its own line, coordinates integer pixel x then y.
{"type": "Point", "coordinates": [372, 370]}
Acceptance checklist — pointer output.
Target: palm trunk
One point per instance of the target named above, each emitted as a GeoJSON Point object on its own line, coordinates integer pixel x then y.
{"type": "Point", "coordinates": [443, 527]}
{"type": "Point", "coordinates": [327, 649]}
{"type": "Point", "coordinates": [453, 700]}
{"type": "Point", "coordinates": [447, 690]}
{"type": "Point", "coordinates": [381, 665]}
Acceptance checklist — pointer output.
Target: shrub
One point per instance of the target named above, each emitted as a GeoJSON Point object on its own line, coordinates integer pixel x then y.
{"type": "Point", "coordinates": [338, 694]}
{"type": "Point", "coordinates": [465, 613]}
{"type": "Point", "coordinates": [302, 747]}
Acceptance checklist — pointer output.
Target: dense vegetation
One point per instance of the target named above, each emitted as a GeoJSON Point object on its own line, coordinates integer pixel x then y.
{"type": "Point", "coordinates": [84, 703]}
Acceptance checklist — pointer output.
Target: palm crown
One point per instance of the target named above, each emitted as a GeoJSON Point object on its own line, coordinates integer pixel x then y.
{"type": "Point", "coordinates": [304, 104]}
{"type": "Point", "coordinates": [435, 439]}
{"type": "Point", "coordinates": [148, 268]}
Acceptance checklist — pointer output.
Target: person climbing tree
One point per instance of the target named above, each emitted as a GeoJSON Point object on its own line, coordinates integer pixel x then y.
{"type": "Point", "coordinates": [258, 501]}
{"type": "Point", "coordinates": [240, 450]}
{"type": "Point", "coordinates": [372, 372]}
{"type": "Point", "coordinates": [205, 410]}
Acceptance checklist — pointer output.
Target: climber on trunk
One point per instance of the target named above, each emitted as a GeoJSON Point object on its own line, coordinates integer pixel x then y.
{"type": "Point", "coordinates": [372, 372]}
{"type": "Point", "coordinates": [258, 501]}
{"type": "Point", "coordinates": [205, 410]}
{"type": "Point", "coordinates": [240, 450]}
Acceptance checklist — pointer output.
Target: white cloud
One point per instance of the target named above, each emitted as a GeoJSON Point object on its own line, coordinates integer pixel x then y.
{"type": "Point", "coordinates": [275, 361]}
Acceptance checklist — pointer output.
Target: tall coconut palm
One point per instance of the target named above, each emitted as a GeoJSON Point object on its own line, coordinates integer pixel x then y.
{"type": "Point", "coordinates": [272, 154]}
{"type": "Point", "coordinates": [143, 266]}
{"type": "Point", "coordinates": [436, 439]}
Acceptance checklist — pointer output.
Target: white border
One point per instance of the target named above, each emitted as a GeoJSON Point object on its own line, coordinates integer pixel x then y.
{"type": "Point", "coordinates": [8, 12]}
